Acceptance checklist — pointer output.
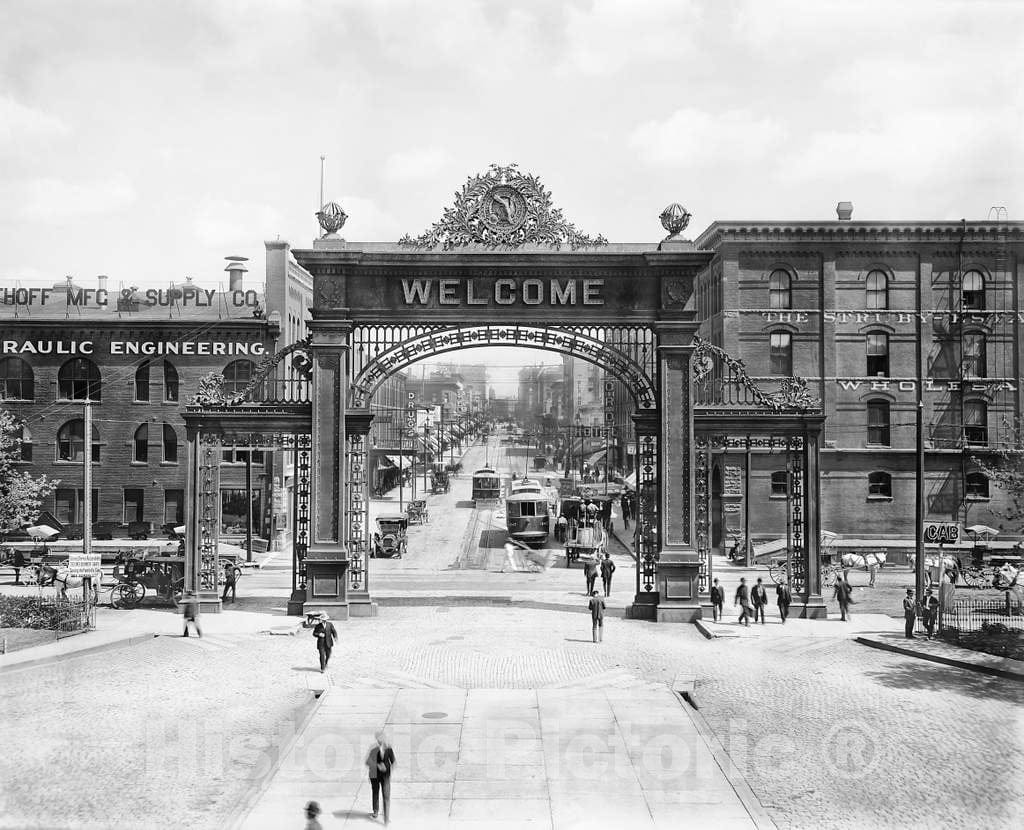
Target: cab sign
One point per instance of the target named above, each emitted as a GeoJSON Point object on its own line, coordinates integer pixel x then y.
{"type": "Point", "coordinates": [938, 533]}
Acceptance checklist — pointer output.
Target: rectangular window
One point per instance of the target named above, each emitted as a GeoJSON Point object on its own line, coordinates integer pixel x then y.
{"type": "Point", "coordinates": [780, 353]}
{"type": "Point", "coordinates": [69, 505]}
{"type": "Point", "coordinates": [142, 382]}
{"type": "Point", "coordinates": [233, 510]}
{"type": "Point", "coordinates": [877, 345]}
{"type": "Point", "coordinates": [974, 355]}
{"type": "Point", "coordinates": [174, 507]}
{"type": "Point", "coordinates": [134, 499]}
{"type": "Point", "coordinates": [878, 424]}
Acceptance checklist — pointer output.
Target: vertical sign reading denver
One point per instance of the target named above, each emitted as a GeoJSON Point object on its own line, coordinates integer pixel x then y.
{"type": "Point", "coordinates": [505, 291]}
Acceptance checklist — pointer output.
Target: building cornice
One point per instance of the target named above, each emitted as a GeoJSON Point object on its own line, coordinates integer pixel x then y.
{"type": "Point", "coordinates": [719, 233]}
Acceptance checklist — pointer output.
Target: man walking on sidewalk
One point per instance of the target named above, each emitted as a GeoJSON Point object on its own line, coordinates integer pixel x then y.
{"type": "Point", "coordinates": [229, 582]}
{"type": "Point", "coordinates": [843, 595]}
{"type": "Point", "coordinates": [759, 597]}
{"type": "Point", "coordinates": [590, 571]}
{"type": "Point", "coordinates": [743, 601]}
{"type": "Point", "coordinates": [607, 569]}
{"type": "Point", "coordinates": [783, 597]}
{"type": "Point", "coordinates": [190, 614]}
{"type": "Point", "coordinates": [717, 599]}
{"type": "Point", "coordinates": [597, 616]}
{"type": "Point", "coordinates": [326, 636]}
{"type": "Point", "coordinates": [379, 762]}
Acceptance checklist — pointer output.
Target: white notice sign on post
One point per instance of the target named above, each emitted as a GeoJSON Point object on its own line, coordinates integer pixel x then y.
{"type": "Point", "coordinates": [81, 564]}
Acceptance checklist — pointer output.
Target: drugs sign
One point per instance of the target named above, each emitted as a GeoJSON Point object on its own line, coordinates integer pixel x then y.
{"type": "Point", "coordinates": [937, 533]}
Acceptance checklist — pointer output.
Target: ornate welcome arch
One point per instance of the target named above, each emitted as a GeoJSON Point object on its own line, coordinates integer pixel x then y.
{"type": "Point", "coordinates": [628, 353]}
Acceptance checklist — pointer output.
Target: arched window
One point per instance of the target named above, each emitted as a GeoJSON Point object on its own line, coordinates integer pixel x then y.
{"type": "Point", "coordinates": [71, 442]}
{"type": "Point", "coordinates": [974, 355]}
{"type": "Point", "coordinates": [140, 444]}
{"type": "Point", "coordinates": [972, 291]}
{"type": "Point", "coordinates": [142, 381]}
{"type": "Point", "coordinates": [877, 347]}
{"type": "Point", "coordinates": [976, 486]}
{"type": "Point", "coordinates": [975, 422]}
{"type": "Point", "coordinates": [170, 444]}
{"type": "Point", "coordinates": [779, 289]}
{"type": "Point", "coordinates": [879, 485]}
{"type": "Point", "coordinates": [170, 381]}
{"type": "Point", "coordinates": [876, 290]}
{"type": "Point", "coordinates": [237, 375]}
{"type": "Point", "coordinates": [17, 382]}
{"type": "Point", "coordinates": [780, 353]}
{"type": "Point", "coordinates": [878, 422]}
{"type": "Point", "coordinates": [78, 380]}
{"type": "Point", "coordinates": [779, 483]}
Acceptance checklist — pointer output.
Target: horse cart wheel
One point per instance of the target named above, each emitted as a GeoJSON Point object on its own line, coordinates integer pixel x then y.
{"type": "Point", "coordinates": [975, 577]}
{"type": "Point", "coordinates": [127, 594]}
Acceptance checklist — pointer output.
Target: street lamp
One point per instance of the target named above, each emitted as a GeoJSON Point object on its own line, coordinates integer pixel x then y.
{"type": "Point", "coordinates": [426, 451]}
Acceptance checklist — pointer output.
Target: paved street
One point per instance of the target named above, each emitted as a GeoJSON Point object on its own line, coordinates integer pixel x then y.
{"type": "Point", "coordinates": [185, 732]}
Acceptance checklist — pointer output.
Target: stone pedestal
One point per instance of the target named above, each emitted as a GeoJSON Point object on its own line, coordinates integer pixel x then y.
{"type": "Point", "coordinates": [678, 586]}
{"type": "Point", "coordinates": [326, 589]}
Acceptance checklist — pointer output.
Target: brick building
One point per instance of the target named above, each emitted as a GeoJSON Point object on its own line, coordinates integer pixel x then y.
{"type": "Point", "coordinates": [870, 313]}
{"type": "Point", "coordinates": [138, 355]}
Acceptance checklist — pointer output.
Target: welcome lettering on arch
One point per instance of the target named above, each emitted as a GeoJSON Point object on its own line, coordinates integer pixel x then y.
{"type": "Point", "coordinates": [506, 291]}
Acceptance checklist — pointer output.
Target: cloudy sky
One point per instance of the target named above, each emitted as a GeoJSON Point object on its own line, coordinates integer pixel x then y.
{"type": "Point", "coordinates": [147, 139]}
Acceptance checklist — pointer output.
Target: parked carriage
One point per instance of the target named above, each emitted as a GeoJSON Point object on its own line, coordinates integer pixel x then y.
{"type": "Point", "coordinates": [151, 577]}
{"type": "Point", "coordinates": [440, 482]}
{"type": "Point", "coordinates": [417, 512]}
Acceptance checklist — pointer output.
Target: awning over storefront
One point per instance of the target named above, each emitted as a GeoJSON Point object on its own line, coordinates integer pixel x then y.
{"type": "Point", "coordinates": [630, 481]}
{"type": "Point", "coordinates": [595, 457]}
{"type": "Point", "coordinates": [394, 461]}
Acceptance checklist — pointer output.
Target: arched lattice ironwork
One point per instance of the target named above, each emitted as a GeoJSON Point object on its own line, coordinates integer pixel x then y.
{"type": "Point", "coordinates": [275, 381]}
{"type": "Point", "coordinates": [628, 352]}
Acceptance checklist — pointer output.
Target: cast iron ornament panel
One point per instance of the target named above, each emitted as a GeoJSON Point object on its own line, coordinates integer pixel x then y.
{"type": "Point", "coordinates": [502, 208]}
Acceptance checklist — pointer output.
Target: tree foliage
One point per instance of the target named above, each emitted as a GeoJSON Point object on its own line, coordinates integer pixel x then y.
{"type": "Point", "coordinates": [21, 494]}
{"type": "Point", "coordinates": [1005, 470]}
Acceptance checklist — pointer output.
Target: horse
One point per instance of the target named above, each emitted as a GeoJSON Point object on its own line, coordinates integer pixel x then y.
{"type": "Point", "coordinates": [61, 579]}
{"type": "Point", "coordinates": [870, 562]}
{"type": "Point", "coordinates": [1006, 579]}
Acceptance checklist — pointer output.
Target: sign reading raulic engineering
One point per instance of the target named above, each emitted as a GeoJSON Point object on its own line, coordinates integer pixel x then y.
{"type": "Point", "coordinates": [130, 347]}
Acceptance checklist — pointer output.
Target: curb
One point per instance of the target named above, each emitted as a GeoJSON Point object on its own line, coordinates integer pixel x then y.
{"type": "Point", "coordinates": [132, 640]}
{"type": "Point", "coordinates": [629, 548]}
{"type": "Point", "coordinates": [756, 810]}
{"type": "Point", "coordinates": [1009, 674]}
{"type": "Point", "coordinates": [703, 629]}
{"type": "Point", "coordinates": [250, 798]}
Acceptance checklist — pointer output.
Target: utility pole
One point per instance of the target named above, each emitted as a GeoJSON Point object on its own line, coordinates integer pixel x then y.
{"type": "Point", "coordinates": [248, 505]}
{"type": "Point", "coordinates": [919, 455]}
{"type": "Point", "coordinates": [401, 458]}
{"type": "Point", "coordinates": [87, 481]}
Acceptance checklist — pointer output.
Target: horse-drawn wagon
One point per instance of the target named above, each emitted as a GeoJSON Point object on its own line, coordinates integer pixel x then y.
{"type": "Point", "coordinates": [417, 512]}
{"type": "Point", "coordinates": [150, 577]}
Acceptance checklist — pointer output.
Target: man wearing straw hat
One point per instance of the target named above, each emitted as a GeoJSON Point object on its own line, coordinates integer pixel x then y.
{"type": "Point", "coordinates": [326, 636]}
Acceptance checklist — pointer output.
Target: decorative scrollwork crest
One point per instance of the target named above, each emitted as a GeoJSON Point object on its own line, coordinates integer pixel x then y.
{"type": "Point", "coordinates": [502, 208]}
{"type": "Point", "coordinates": [793, 396]}
{"type": "Point", "coordinates": [211, 391]}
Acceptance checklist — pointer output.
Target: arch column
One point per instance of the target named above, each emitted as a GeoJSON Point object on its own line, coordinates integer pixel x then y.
{"type": "Point", "coordinates": [327, 557]}
{"type": "Point", "coordinates": [678, 560]}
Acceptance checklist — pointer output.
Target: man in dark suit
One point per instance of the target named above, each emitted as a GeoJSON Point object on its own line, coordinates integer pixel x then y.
{"type": "Point", "coordinates": [783, 597]}
{"type": "Point", "coordinates": [590, 571]}
{"type": "Point", "coordinates": [717, 599]}
{"type": "Point", "coordinates": [759, 598]}
{"type": "Point", "coordinates": [743, 601]}
{"type": "Point", "coordinates": [326, 636]}
{"type": "Point", "coordinates": [379, 762]}
{"type": "Point", "coordinates": [909, 614]}
{"type": "Point", "coordinates": [607, 569]}
{"type": "Point", "coordinates": [844, 596]}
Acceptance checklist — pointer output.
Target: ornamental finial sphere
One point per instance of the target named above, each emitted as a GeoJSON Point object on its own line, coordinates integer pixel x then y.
{"type": "Point", "coordinates": [331, 217]}
{"type": "Point", "coordinates": [675, 218]}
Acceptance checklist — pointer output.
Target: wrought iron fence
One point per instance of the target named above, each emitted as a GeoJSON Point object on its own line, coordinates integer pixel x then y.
{"type": "Point", "coordinates": [969, 615]}
{"type": "Point", "coordinates": [62, 616]}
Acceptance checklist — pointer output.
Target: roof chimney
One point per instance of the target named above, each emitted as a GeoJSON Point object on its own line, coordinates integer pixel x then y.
{"type": "Point", "coordinates": [844, 210]}
{"type": "Point", "coordinates": [236, 272]}
{"type": "Point", "coordinates": [102, 281]}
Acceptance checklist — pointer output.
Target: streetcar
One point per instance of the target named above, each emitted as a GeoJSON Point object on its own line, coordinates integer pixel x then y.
{"type": "Point", "coordinates": [486, 485]}
{"type": "Point", "coordinates": [527, 518]}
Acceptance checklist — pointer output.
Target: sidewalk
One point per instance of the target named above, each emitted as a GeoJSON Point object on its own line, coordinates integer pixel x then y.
{"type": "Point", "coordinates": [939, 651]}
{"type": "Point", "coordinates": [492, 758]}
